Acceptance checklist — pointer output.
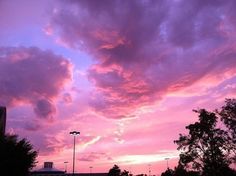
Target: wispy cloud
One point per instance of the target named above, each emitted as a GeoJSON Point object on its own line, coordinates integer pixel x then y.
{"type": "Point", "coordinates": [142, 159]}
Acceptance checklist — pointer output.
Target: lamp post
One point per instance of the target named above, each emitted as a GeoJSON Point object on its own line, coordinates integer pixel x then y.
{"type": "Point", "coordinates": [130, 170]}
{"type": "Point", "coordinates": [149, 169]}
{"type": "Point", "coordinates": [74, 134]}
{"type": "Point", "coordinates": [90, 169]}
{"type": "Point", "coordinates": [167, 164]}
{"type": "Point", "coordinates": [65, 166]}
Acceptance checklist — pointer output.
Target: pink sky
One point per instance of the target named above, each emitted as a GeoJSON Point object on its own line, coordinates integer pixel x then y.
{"type": "Point", "coordinates": [126, 74]}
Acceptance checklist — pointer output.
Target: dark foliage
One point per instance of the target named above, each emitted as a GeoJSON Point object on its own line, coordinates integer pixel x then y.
{"type": "Point", "coordinates": [228, 117]}
{"type": "Point", "coordinates": [168, 172]}
{"type": "Point", "coordinates": [179, 171]}
{"type": "Point", "coordinates": [116, 171]}
{"type": "Point", "coordinates": [17, 157]}
{"type": "Point", "coordinates": [141, 175]}
{"type": "Point", "coordinates": [207, 148]}
{"type": "Point", "coordinates": [125, 173]}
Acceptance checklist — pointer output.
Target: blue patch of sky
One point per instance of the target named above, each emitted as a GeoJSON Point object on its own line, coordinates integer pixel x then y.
{"type": "Point", "coordinates": [227, 84]}
{"type": "Point", "coordinates": [34, 36]}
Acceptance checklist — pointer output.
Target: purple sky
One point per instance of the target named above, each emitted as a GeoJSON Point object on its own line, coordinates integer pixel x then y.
{"type": "Point", "coordinates": [126, 74]}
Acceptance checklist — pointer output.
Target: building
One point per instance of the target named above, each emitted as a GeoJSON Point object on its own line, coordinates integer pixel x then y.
{"type": "Point", "coordinates": [87, 174]}
{"type": "Point", "coordinates": [49, 170]}
{"type": "Point", "coordinates": [3, 115]}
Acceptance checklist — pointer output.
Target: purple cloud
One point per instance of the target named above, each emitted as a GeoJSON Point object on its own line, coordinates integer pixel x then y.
{"type": "Point", "coordinates": [45, 109]}
{"type": "Point", "coordinates": [146, 49]}
{"type": "Point", "coordinates": [32, 76]}
{"type": "Point", "coordinates": [32, 126]}
{"type": "Point", "coordinates": [93, 156]}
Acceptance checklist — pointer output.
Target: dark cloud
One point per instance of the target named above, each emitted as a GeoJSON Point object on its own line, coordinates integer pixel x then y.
{"type": "Point", "coordinates": [145, 49]}
{"type": "Point", "coordinates": [45, 109]}
{"type": "Point", "coordinates": [32, 126]}
{"type": "Point", "coordinates": [32, 76]}
{"type": "Point", "coordinates": [67, 98]}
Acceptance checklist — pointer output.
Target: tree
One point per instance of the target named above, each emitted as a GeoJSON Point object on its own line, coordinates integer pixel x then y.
{"type": "Point", "coordinates": [17, 157]}
{"type": "Point", "coordinates": [168, 172]}
{"type": "Point", "coordinates": [228, 117]}
{"type": "Point", "coordinates": [179, 171]}
{"type": "Point", "coordinates": [125, 173]}
{"type": "Point", "coordinates": [114, 171]}
{"type": "Point", "coordinates": [206, 147]}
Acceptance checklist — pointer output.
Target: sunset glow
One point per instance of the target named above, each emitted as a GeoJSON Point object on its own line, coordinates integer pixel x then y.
{"type": "Point", "coordinates": [126, 74]}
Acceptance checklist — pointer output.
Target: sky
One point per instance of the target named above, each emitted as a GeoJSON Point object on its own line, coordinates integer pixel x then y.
{"type": "Point", "coordinates": [125, 73]}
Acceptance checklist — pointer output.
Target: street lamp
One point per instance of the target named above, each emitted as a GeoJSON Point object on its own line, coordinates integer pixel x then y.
{"type": "Point", "coordinates": [65, 166]}
{"type": "Point", "coordinates": [149, 169]}
{"type": "Point", "coordinates": [74, 134]}
{"type": "Point", "coordinates": [130, 170]}
{"type": "Point", "coordinates": [90, 169]}
{"type": "Point", "coordinates": [167, 162]}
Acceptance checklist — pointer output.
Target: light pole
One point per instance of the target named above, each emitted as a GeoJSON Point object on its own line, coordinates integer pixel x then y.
{"type": "Point", "coordinates": [74, 134]}
{"type": "Point", "coordinates": [167, 164]}
{"type": "Point", "coordinates": [130, 170]}
{"type": "Point", "coordinates": [65, 166]}
{"type": "Point", "coordinates": [90, 169]}
{"type": "Point", "coordinates": [149, 169]}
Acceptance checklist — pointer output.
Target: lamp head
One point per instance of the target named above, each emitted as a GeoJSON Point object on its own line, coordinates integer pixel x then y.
{"type": "Point", "coordinates": [74, 133]}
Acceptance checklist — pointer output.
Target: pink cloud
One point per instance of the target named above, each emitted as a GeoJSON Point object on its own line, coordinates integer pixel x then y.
{"type": "Point", "coordinates": [152, 60]}
{"type": "Point", "coordinates": [32, 76]}
{"type": "Point", "coordinates": [94, 156]}
{"type": "Point", "coordinates": [67, 98]}
{"type": "Point", "coordinates": [142, 53]}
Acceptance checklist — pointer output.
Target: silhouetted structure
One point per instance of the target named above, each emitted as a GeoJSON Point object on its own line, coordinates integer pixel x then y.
{"type": "Point", "coordinates": [3, 114]}
{"type": "Point", "coordinates": [49, 170]}
{"type": "Point", "coordinates": [87, 174]}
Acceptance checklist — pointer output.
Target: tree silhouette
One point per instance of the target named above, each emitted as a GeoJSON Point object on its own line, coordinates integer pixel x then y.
{"type": "Point", "coordinates": [125, 173]}
{"type": "Point", "coordinates": [17, 157]}
{"type": "Point", "coordinates": [168, 172]}
{"type": "Point", "coordinates": [114, 171]}
{"type": "Point", "coordinates": [228, 116]}
{"type": "Point", "coordinates": [210, 145]}
{"type": "Point", "coordinates": [179, 171]}
{"type": "Point", "coordinates": [206, 148]}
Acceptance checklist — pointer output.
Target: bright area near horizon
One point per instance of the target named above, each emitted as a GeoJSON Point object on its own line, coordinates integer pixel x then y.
{"type": "Point", "coordinates": [126, 74]}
